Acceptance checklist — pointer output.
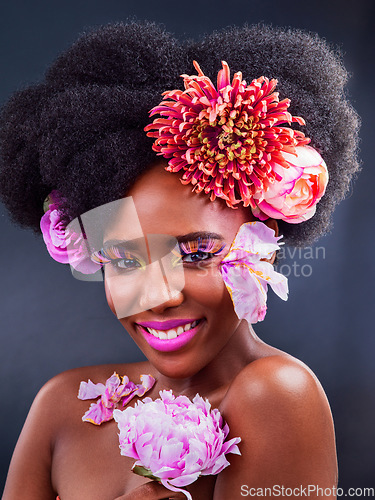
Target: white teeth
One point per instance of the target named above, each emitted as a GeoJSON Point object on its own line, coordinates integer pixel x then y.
{"type": "Point", "coordinates": [173, 333]}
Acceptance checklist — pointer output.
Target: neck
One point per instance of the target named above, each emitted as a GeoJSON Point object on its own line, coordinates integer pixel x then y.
{"type": "Point", "coordinates": [243, 348]}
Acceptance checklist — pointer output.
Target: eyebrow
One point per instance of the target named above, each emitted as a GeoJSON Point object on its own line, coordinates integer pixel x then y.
{"type": "Point", "coordinates": [182, 238]}
{"type": "Point", "coordinates": [120, 243]}
{"type": "Point", "coordinates": [204, 235]}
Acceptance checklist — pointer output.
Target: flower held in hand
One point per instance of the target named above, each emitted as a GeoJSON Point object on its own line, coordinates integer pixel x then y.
{"type": "Point", "coordinates": [175, 440]}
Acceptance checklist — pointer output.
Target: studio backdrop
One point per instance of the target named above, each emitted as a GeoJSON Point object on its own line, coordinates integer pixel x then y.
{"type": "Point", "coordinates": [51, 322]}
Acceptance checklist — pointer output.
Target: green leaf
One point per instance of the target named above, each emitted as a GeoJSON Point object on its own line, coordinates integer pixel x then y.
{"type": "Point", "coordinates": [142, 471]}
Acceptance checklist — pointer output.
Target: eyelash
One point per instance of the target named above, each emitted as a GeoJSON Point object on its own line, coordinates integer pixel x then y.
{"type": "Point", "coordinates": [209, 246]}
{"type": "Point", "coordinates": [113, 255]}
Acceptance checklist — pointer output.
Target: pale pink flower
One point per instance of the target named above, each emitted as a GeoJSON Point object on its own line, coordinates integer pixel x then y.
{"type": "Point", "coordinates": [116, 389]}
{"type": "Point", "coordinates": [175, 440]}
{"type": "Point", "coordinates": [293, 198]}
{"type": "Point", "coordinates": [247, 276]}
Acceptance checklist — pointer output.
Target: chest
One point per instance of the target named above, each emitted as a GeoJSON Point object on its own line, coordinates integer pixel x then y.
{"type": "Point", "coordinates": [87, 465]}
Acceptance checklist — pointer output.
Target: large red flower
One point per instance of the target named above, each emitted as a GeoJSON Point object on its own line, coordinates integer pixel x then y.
{"type": "Point", "coordinates": [228, 140]}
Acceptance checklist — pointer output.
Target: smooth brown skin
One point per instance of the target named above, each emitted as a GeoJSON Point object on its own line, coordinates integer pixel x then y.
{"type": "Point", "coordinates": [271, 400]}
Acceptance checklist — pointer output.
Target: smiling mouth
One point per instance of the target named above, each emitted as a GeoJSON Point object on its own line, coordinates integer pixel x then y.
{"type": "Point", "coordinates": [172, 333]}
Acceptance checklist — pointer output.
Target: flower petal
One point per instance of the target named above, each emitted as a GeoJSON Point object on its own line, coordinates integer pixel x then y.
{"type": "Point", "coordinates": [97, 414]}
{"type": "Point", "coordinates": [170, 487]}
{"type": "Point", "coordinates": [246, 276]}
{"type": "Point", "coordinates": [89, 390]}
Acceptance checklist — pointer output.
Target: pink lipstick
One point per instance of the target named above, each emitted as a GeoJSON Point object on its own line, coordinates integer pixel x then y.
{"type": "Point", "coordinates": [182, 332]}
{"type": "Point", "coordinates": [165, 325]}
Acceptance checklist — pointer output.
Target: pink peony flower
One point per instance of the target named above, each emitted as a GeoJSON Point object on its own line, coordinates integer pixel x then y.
{"type": "Point", "coordinates": [116, 389]}
{"type": "Point", "coordinates": [63, 245]}
{"type": "Point", "coordinates": [225, 140]}
{"type": "Point", "coordinates": [247, 276]}
{"type": "Point", "coordinates": [294, 197]}
{"type": "Point", "coordinates": [175, 440]}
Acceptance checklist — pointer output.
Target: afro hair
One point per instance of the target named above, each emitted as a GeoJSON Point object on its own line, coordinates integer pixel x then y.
{"type": "Point", "coordinates": [81, 130]}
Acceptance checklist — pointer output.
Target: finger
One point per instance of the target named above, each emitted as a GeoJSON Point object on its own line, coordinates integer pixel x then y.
{"type": "Point", "coordinates": [152, 491]}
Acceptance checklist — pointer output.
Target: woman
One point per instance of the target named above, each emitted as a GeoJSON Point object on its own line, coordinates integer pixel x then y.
{"type": "Point", "coordinates": [83, 142]}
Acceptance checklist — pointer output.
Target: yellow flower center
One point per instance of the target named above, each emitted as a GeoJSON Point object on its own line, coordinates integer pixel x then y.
{"type": "Point", "coordinates": [227, 137]}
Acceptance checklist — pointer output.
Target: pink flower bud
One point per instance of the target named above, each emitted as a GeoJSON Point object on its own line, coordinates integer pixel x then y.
{"type": "Point", "coordinates": [294, 197]}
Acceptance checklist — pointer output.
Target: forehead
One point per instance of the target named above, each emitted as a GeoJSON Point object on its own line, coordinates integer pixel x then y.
{"type": "Point", "coordinates": [164, 205]}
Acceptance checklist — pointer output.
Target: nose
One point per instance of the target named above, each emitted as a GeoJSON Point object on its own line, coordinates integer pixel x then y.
{"type": "Point", "coordinates": [174, 300]}
{"type": "Point", "coordinates": [161, 290]}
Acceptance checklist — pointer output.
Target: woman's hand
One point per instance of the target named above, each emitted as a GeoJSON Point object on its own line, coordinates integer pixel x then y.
{"type": "Point", "coordinates": [152, 491]}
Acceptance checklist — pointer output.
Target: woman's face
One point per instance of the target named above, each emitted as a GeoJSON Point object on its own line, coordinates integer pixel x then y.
{"type": "Point", "coordinates": [165, 206]}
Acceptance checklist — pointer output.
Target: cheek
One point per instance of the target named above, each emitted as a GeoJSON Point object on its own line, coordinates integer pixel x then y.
{"type": "Point", "coordinates": [109, 298]}
{"type": "Point", "coordinates": [206, 287]}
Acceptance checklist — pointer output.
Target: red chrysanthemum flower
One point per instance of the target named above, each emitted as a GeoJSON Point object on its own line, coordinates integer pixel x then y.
{"type": "Point", "coordinates": [226, 140]}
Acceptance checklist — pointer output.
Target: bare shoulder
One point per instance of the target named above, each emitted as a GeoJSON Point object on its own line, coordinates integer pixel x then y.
{"type": "Point", "coordinates": [284, 380]}
{"type": "Point", "coordinates": [56, 406]}
{"type": "Point", "coordinates": [278, 407]}
{"type": "Point", "coordinates": [283, 389]}
{"type": "Point", "coordinates": [97, 373]}
{"type": "Point", "coordinates": [56, 413]}
{"type": "Point", "coordinates": [61, 391]}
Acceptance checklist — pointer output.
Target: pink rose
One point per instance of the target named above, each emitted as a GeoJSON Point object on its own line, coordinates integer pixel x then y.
{"type": "Point", "coordinates": [294, 197]}
{"type": "Point", "coordinates": [64, 246]}
{"type": "Point", "coordinates": [175, 440]}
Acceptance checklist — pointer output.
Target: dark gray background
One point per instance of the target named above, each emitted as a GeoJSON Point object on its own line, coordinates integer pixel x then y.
{"type": "Point", "coordinates": [50, 322]}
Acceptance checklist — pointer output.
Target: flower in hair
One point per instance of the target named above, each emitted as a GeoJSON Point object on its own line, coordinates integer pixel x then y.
{"type": "Point", "coordinates": [228, 140]}
{"type": "Point", "coordinates": [63, 245]}
{"type": "Point", "coordinates": [294, 198]}
{"type": "Point", "coordinates": [116, 389]}
{"type": "Point", "coordinates": [175, 440]}
{"type": "Point", "coordinates": [247, 275]}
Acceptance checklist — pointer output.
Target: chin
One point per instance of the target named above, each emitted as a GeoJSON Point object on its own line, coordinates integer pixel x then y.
{"type": "Point", "coordinates": [176, 370]}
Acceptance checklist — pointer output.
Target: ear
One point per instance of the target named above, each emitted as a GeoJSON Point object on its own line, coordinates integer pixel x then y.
{"type": "Point", "coordinates": [109, 297]}
{"type": "Point", "coordinates": [272, 223]}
